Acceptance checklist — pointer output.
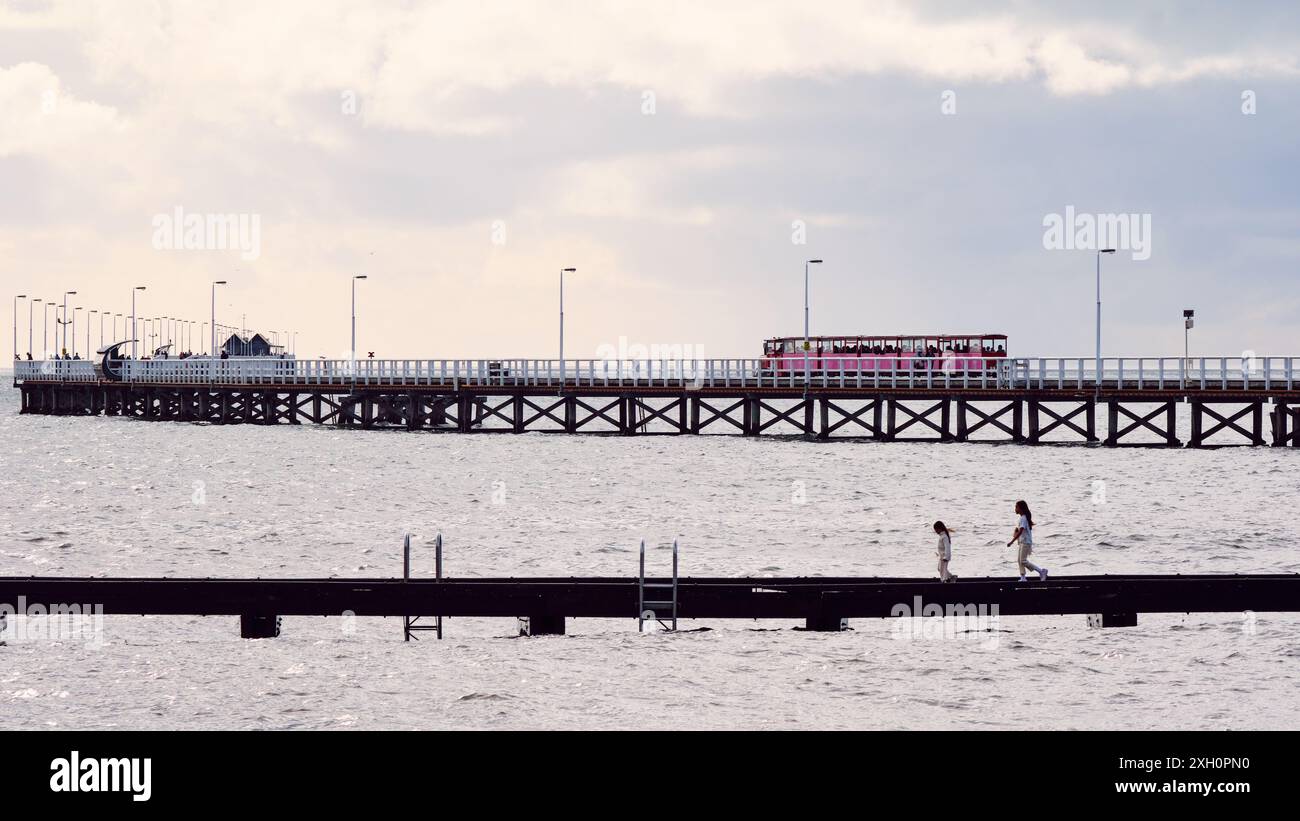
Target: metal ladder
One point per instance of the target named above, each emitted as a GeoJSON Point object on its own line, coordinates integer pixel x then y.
{"type": "Point", "coordinates": [657, 605]}
{"type": "Point", "coordinates": [410, 624]}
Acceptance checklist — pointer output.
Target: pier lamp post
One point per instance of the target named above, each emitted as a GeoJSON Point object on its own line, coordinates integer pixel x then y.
{"type": "Point", "coordinates": [1098, 355]}
{"type": "Point", "coordinates": [134, 319]}
{"type": "Point", "coordinates": [807, 373]}
{"type": "Point", "coordinates": [64, 324]}
{"type": "Point", "coordinates": [213, 351]}
{"type": "Point", "coordinates": [102, 314]}
{"type": "Point", "coordinates": [45, 331]}
{"type": "Point", "coordinates": [31, 305]}
{"type": "Point", "coordinates": [88, 322]}
{"type": "Point", "coordinates": [74, 329]}
{"type": "Point", "coordinates": [1189, 322]}
{"type": "Point", "coordinates": [354, 322]}
{"type": "Point", "coordinates": [16, 298]}
{"type": "Point", "coordinates": [563, 271]}
{"type": "Point", "coordinates": [115, 336]}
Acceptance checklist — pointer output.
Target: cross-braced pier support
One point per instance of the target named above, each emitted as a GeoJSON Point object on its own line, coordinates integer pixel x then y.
{"type": "Point", "coordinates": [1137, 421]}
{"type": "Point", "coordinates": [837, 414]}
{"type": "Point", "coordinates": [1286, 424]}
{"type": "Point", "coordinates": [1202, 409]}
{"type": "Point", "coordinates": [1007, 417]}
{"type": "Point", "coordinates": [921, 418]}
{"type": "Point", "coordinates": [1076, 416]}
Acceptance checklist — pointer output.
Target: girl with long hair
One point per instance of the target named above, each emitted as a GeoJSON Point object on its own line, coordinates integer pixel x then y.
{"type": "Point", "coordinates": [944, 550]}
{"type": "Point", "coordinates": [1024, 537]}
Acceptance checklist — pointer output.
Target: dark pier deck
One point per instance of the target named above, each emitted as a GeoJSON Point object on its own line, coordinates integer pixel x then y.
{"type": "Point", "coordinates": [822, 603]}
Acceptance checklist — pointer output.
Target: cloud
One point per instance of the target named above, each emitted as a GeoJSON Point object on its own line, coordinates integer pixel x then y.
{"type": "Point", "coordinates": [432, 67]}
{"type": "Point", "coordinates": [38, 117]}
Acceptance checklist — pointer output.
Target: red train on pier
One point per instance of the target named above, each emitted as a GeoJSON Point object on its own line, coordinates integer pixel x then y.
{"type": "Point", "coordinates": [849, 354]}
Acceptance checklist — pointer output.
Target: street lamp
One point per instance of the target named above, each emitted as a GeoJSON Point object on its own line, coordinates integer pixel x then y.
{"type": "Point", "coordinates": [74, 330]}
{"type": "Point", "coordinates": [115, 316]}
{"type": "Point", "coordinates": [31, 306]}
{"type": "Point", "coordinates": [45, 331]}
{"type": "Point", "coordinates": [563, 271]}
{"type": "Point", "coordinates": [66, 294]}
{"type": "Point", "coordinates": [134, 319]}
{"type": "Point", "coordinates": [354, 321]}
{"type": "Point", "coordinates": [213, 351]}
{"type": "Point", "coordinates": [16, 298]}
{"type": "Point", "coordinates": [1189, 322]}
{"type": "Point", "coordinates": [1098, 354]}
{"type": "Point", "coordinates": [806, 371]}
{"type": "Point", "coordinates": [88, 320]}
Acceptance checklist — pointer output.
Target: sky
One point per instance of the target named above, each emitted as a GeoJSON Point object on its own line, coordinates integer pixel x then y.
{"type": "Point", "coordinates": [686, 158]}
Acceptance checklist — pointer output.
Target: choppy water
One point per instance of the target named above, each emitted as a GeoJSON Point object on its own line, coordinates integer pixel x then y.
{"type": "Point", "coordinates": [121, 497]}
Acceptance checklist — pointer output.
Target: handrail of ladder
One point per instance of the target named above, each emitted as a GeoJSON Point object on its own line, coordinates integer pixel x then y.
{"type": "Point", "coordinates": [674, 585]}
{"type": "Point", "coordinates": [641, 577]}
{"type": "Point", "coordinates": [408, 622]}
{"type": "Point", "coordinates": [640, 588]}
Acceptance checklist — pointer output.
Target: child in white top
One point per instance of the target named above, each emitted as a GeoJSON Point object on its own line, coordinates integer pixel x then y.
{"type": "Point", "coordinates": [944, 550]}
{"type": "Point", "coordinates": [1025, 536]}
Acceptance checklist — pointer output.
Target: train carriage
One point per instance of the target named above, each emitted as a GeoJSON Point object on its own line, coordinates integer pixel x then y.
{"type": "Point", "coordinates": [851, 354]}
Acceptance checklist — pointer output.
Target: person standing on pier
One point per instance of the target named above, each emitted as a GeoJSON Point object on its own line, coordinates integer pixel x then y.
{"type": "Point", "coordinates": [944, 550]}
{"type": "Point", "coordinates": [1024, 535]}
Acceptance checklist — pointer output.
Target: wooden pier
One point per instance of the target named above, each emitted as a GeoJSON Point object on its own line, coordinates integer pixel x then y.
{"type": "Point", "coordinates": [823, 604]}
{"type": "Point", "coordinates": [1022, 401]}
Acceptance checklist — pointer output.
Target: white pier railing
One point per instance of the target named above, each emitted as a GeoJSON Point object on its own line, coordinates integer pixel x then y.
{"type": "Point", "coordinates": [1033, 373]}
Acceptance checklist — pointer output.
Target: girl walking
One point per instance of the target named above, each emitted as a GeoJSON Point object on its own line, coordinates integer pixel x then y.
{"type": "Point", "coordinates": [1024, 535]}
{"type": "Point", "coordinates": [944, 550]}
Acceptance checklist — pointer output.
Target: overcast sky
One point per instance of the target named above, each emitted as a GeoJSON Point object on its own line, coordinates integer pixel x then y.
{"type": "Point", "coordinates": [459, 154]}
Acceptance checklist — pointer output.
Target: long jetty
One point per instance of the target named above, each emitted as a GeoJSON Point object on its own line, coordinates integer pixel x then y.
{"type": "Point", "coordinates": [1124, 401]}
{"type": "Point", "coordinates": [544, 604]}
